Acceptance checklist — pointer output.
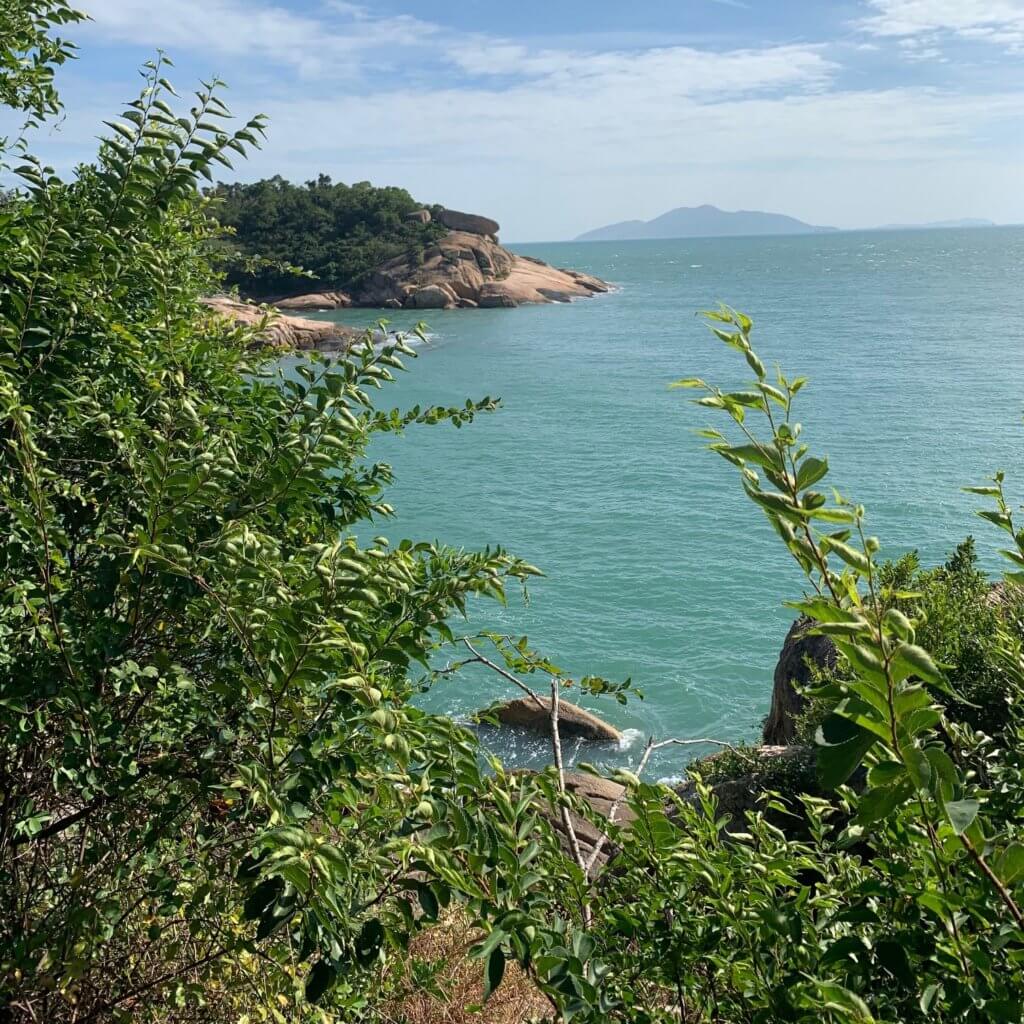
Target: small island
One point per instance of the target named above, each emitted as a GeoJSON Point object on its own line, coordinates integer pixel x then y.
{"type": "Point", "coordinates": [378, 248]}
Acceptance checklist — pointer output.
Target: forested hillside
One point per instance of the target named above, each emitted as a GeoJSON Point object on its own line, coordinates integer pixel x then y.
{"type": "Point", "coordinates": [335, 231]}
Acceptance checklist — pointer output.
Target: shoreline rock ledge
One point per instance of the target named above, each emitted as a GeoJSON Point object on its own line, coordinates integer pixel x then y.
{"type": "Point", "coordinates": [286, 332]}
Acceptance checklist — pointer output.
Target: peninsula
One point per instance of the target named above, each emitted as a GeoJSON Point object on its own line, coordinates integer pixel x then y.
{"type": "Point", "coordinates": [378, 248]}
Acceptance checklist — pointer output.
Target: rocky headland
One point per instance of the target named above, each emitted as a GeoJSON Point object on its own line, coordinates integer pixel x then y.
{"type": "Point", "coordinates": [465, 269]}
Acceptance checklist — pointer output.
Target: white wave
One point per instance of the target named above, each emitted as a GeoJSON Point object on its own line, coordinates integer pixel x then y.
{"type": "Point", "coordinates": [630, 738]}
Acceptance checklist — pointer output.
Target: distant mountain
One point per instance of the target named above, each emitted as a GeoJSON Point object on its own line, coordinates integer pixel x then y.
{"type": "Point", "coordinates": [965, 222]}
{"type": "Point", "coordinates": [703, 222]}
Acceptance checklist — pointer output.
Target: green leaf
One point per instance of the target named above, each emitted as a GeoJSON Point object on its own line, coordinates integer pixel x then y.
{"type": "Point", "coordinates": [879, 803]}
{"type": "Point", "coordinates": [1009, 865]}
{"type": "Point", "coordinates": [319, 980]}
{"type": "Point", "coordinates": [961, 814]}
{"type": "Point", "coordinates": [494, 972]}
{"type": "Point", "coordinates": [838, 761]}
{"type": "Point", "coordinates": [811, 470]}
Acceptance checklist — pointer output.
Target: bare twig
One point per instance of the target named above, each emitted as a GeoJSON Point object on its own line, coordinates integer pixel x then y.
{"type": "Point", "coordinates": [556, 749]}
{"type": "Point", "coordinates": [504, 674]}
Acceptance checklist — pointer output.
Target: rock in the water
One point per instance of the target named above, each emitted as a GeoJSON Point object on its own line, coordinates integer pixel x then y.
{"type": "Point", "coordinates": [476, 269]}
{"type": "Point", "coordinates": [315, 300]}
{"type": "Point", "coordinates": [470, 222]}
{"type": "Point", "coordinates": [286, 331]}
{"type": "Point", "coordinates": [535, 714]}
{"type": "Point", "coordinates": [800, 648]}
{"type": "Point", "coordinates": [432, 296]}
{"type": "Point", "coordinates": [418, 217]}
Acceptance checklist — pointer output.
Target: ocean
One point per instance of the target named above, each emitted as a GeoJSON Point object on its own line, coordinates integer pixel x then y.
{"type": "Point", "coordinates": [658, 567]}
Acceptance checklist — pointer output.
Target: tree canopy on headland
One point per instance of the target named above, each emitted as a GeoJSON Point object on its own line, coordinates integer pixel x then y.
{"type": "Point", "coordinates": [335, 231]}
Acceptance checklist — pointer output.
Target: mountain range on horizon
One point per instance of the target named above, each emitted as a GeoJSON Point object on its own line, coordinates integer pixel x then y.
{"type": "Point", "coordinates": [708, 221]}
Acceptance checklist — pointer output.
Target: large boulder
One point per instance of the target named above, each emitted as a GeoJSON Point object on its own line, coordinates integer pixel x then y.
{"type": "Point", "coordinates": [601, 794]}
{"type": "Point", "coordinates": [315, 300]}
{"type": "Point", "coordinates": [418, 217]}
{"type": "Point", "coordinates": [432, 296]}
{"type": "Point", "coordinates": [470, 222]}
{"type": "Point", "coordinates": [801, 650]}
{"type": "Point", "coordinates": [534, 713]}
{"type": "Point", "coordinates": [287, 332]}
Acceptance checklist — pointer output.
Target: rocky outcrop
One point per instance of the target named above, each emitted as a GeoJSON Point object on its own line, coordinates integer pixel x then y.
{"type": "Point", "coordinates": [535, 714]}
{"type": "Point", "coordinates": [472, 270]}
{"type": "Point", "coordinates": [801, 650]}
{"type": "Point", "coordinates": [432, 296]}
{"type": "Point", "coordinates": [315, 300]}
{"type": "Point", "coordinates": [418, 217]}
{"type": "Point", "coordinates": [287, 332]}
{"type": "Point", "coordinates": [747, 775]}
{"type": "Point", "coordinates": [470, 222]}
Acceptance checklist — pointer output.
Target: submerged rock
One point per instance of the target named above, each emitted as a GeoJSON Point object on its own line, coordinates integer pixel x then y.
{"type": "Point", "coordinates": [535, 714]}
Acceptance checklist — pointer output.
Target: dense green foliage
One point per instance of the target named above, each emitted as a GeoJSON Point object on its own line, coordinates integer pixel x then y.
{"type": "Point", "coordinates": [337, 232]}
{"type": "Point", "coordinates": [210, 780]}
{"type": "Point", "coordinates": [217, 802]}
{"type": "Point", "coordinates": [962, 615]}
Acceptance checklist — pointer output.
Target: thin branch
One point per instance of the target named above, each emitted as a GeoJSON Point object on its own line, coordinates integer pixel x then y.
{"type": "Point", "coordinates": [504, 674]}
{"type": "Point", "coordinates": [556, 748]}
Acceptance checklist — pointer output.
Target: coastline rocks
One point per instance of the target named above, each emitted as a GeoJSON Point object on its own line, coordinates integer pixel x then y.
{"type": "Point", "coordinates": [286, 331]}
{"type": "Point", "coordinates": [471, 222]}
{"type": "Point", "coordinates": [432, 296]}
{"type": "Point", "coordinates": [768, 768]}
{"type": "Point", "coordinates": [315, 300]}
{"type": "Point", "coordinates": [601, 794]}
{"type": "Point", "coordinates": [473, 270]}
{"type": "Point", "coordinates": [535, 715]}
{"type": "Point", "coordinates": [798, 651]}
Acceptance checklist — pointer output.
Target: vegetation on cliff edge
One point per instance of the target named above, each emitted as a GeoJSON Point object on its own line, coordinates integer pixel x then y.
{"type": "Point", "coordinates": [337, 232]}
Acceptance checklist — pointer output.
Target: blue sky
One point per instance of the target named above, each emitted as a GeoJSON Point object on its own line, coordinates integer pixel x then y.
{"type": "Point", "coordinates": [556, 116]}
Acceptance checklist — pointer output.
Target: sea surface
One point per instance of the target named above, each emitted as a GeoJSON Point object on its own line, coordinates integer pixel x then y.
{"type": "Point", "coordinates": [658, 567]}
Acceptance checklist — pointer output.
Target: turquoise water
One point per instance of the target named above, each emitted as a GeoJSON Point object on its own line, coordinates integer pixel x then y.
{"type": "Point", "coordinates": [657, 566]}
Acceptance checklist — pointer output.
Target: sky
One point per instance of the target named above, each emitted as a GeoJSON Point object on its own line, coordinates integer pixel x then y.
{"type": "Point", "coordinates": [558, 116]}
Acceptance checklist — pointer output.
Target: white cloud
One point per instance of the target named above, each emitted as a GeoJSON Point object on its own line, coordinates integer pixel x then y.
{"type": "Point", "coordinates": [995, 21]}
{"type": "Point", "coordinates": [681, 70]}
{"type": "Point", "coordinates": [327, 43]}
{"type": "Point", "coordinates": [551, 139]}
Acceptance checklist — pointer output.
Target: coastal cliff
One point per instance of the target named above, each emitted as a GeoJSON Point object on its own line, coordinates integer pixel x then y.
{"type": "Point", "coordinates": [466, 270]}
